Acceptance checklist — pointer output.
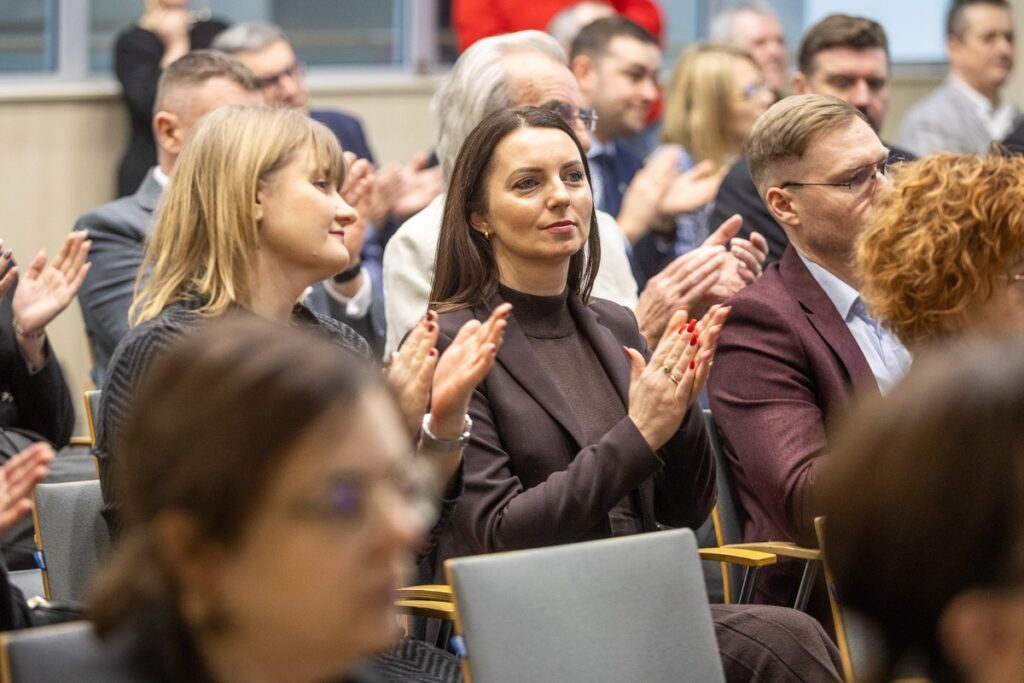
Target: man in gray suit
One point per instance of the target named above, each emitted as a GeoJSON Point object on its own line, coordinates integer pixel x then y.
{"type": "Point", "coordinates": [195, 84]}
{"type": "Point", "coordinates": [966, 113]}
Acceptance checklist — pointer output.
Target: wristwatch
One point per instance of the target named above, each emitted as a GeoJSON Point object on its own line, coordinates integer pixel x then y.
{"type": "Point", "coordinates": [444, 445]}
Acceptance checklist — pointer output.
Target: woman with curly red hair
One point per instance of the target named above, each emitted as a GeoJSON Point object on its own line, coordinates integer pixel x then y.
{"type": "Point", "coordinates": [944, 249]}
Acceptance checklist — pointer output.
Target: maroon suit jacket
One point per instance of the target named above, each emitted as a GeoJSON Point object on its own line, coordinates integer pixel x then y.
{"type": "Point", "coordinates": [786, 365]}
{"type": "Point", "coordinates": [528, 477]}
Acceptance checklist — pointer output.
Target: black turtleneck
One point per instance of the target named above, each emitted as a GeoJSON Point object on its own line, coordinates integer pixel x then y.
{"type": "Point", "coordinates": [570, 361]}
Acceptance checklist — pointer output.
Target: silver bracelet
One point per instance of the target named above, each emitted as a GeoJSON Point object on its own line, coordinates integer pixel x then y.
{"type": "Point", "coordinates": [444, 445]}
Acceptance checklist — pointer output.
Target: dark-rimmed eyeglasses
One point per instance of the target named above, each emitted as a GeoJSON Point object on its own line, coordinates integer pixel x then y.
{"type": "Point", "coordinates": [862, 180]}
{"type": "Point", "coordinates": [568, 113]}
{"type": "Point", "coordinates": [298, 68]}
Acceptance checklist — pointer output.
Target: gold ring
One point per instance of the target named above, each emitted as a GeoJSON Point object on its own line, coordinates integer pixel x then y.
{"type": "Point", "coordinates": [672, 378]}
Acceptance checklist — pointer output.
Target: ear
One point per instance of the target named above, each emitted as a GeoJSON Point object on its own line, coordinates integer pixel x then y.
{"type": "Point", "coordinates": [780, 205]}
{"type": "Point", "coordinates": [260, 202]}
{"type": "Point", "coordinates": [801, 83]}
{"type": "Point", "coordinates": [169, 134]}
{"type": "Point", "coordinates": [971, 631]}
{"type": "Point", "coordinates": [193, 559]}
{"type": "Point", "coordinates": [582, 68]}
{"type": "Point", "coordinates": [478, 220]}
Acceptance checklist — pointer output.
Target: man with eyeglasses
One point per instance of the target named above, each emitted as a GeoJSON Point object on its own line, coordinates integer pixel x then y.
{"type": "Point", "coordinates": [843, 56]}
{"type": "Point", "coordinates": [799, 342]}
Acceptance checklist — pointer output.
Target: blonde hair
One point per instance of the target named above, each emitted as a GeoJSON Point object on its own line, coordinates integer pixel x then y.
{"type": "Point", "coordinates": [204, 243]}
{"type": "Point", "coordinates": [940, 242]}
{"type": "Point", "coordinates": [782, 133]}
{"type": "Point", "coordinates": [698, 106]}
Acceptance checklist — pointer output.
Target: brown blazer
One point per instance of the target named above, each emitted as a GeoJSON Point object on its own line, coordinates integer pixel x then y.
{"type": "Point", "coordinates": [529, 479]}
{"type": "Point", "coordinates": [786, 365]}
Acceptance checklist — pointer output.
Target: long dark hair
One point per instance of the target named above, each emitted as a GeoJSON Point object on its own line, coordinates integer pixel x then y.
{"type": "Point", "coordinates": [465, 273]}
{"type": "Point", "coordinates": [212, 424]}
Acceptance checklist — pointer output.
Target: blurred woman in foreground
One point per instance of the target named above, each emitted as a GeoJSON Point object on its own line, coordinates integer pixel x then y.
{"type": "Point", "coordinates": [924, 498]}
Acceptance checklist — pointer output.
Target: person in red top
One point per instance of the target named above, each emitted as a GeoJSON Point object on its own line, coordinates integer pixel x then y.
{"type": "Point", "coordinates": [476, 19]}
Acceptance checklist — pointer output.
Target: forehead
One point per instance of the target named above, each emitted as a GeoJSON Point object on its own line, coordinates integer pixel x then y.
{"type": "Point", "coordinates": [845, 148]}
{"type": "Point", "coordinates": [752, 26]}
{"type": "Point", "coordinates": [627, 50]}
{"type": "Point", "coordinates": [983, 18]}
{"type": "Point", "coordinates": [535, 79]}
{"type": "Point", "coordinates": [844, 61]}
{"type": "Point", "coordinates": [533, 147]}
{"type": "Point", "coordinates": [272, 59]}
{"type": "Point", "coordinates": [217, 92]}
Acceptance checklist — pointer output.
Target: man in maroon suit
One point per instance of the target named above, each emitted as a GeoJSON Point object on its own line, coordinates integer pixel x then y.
{"type": "Point", "coordinates": [798, 343]}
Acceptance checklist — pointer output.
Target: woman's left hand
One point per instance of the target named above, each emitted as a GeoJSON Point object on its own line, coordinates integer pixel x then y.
{"type": "Point", "coordinates": [462, 366]}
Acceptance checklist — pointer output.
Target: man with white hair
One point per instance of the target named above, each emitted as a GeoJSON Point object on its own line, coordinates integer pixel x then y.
{"type": "Point", "coordinates": [754, 27]}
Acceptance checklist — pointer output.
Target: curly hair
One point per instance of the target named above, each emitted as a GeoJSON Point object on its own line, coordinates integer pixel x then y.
{"type": "Point", "coordinates": [939, 243]}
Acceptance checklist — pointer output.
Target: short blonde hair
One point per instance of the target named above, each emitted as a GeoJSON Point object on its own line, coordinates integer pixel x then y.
{"type": "Point", "coordinates": [940, 242]}
{"type": "Point", "coordinates": [783, 133]}
{"type": "Point", "coordinates": [698, 105]}
{"type": "Point", "coordinates": [204, 243]}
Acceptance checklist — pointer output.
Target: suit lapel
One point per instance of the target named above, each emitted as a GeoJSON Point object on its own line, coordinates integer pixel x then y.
{"type": "Point", "coordinates": [824, 317]}
{"type": "Point", "coordinates": [517, 357]}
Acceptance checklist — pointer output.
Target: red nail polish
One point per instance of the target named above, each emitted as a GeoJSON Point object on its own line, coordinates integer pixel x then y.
{"type": "Point", "coordinates": [626, 351]}
{"type": "Point", "coordinates": [431, 327]}
{"type": "Point", "coordinates": [693, 340]}
{"type": "Point", "coordinates": [433, 352]}
{"type": "Point", "coordinates": [693, 365]}
{"type": "Point", "coordinates": [682, 328]}
{"type": "Point", "coordinates": [692, 326]}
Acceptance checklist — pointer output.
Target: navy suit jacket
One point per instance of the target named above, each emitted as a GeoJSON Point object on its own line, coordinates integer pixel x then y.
{"type": "Point", "coordinates": [615, 178]}
{"type": "Point", "coordinates": [347, 129]}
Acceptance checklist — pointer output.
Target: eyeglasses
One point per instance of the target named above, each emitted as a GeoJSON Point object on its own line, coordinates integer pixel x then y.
{"type": "Point", "coordinates": [346, 498]}
{"type": "Point", "coordinates": [863, 179]}
{"type": "Point", "coordinates": [298, 68]}
{"type": "Point", "coordinates": [753, 90]}
{"type": "Point", "coordinates": [568, 112]}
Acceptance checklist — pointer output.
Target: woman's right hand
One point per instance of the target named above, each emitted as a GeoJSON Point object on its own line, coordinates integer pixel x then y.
{"type": "Point", "coordinates": [411, 370]}
{"type": "Point", "coordinates": [661, 391]}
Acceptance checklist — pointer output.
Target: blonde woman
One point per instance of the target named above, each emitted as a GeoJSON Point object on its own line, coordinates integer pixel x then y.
{"type": "Point", "coordinates": [716, 93]}
{"type": "Point", "coordinates": [253, 216]}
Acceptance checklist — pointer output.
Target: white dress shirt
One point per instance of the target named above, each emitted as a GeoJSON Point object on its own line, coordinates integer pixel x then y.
{"type": "Point", "coordinates": [888, 358]}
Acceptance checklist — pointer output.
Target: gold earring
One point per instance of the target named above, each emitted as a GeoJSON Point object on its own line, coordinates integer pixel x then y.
{"type": "Point", "coordinates": [487, 234]}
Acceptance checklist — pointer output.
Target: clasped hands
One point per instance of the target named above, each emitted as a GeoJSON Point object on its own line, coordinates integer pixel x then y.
{"type": "Point", "coordinates": [663, 389]}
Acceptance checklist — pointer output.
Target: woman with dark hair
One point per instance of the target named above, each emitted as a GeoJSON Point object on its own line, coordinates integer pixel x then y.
{"type": "Point", "coordinates": [573, 439]}
{"type": "Point", "coordinates": [924, 500]}
{"type": "Point", "coordinates": [270, 505]}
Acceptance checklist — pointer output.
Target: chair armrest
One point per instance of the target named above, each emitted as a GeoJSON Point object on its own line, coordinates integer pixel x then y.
{"type": "Point", "coordinates": [431, 609]}
{"type": "Point", "coordinates": [742, 556]}
{"type": "Point", "coordinates": [439, 592]}
{"type": "Point", "coordinates": [782, 549]}
{"type": "Point", "coordinates": [81, 441]}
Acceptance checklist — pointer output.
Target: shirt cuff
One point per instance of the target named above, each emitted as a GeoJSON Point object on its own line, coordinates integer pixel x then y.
{"type": "Point", "coordinates": [359, 305]}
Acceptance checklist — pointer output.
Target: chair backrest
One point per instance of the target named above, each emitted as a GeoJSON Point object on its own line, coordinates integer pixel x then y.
{"type": "Point", "coordinates": [67, 652]}
{"type": "Point", "coordinates": [624, 609]}
{"type": "Point", "coordinates": [729, 515]}
{"type": "Point", "coordinates": [71, 536]}
{"type": "Point", "coordinates": [861, 647]}
{"type": "Point", "coordinates": [92, 409]}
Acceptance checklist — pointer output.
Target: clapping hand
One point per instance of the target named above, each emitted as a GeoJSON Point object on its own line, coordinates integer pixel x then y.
{"type": "Point", "coordinates": [661, 391]}
{"type": "Point", "coordinates": [411, 370]}
{"type": "Point", "coordinates": [43, 291]}
{"type": "Point", "coordinates": [18, 478]}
